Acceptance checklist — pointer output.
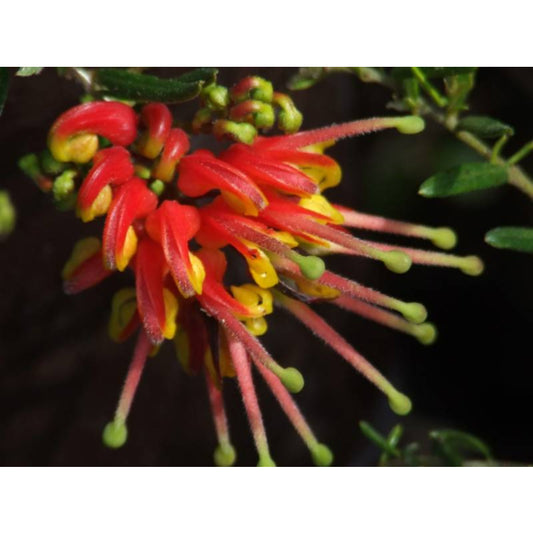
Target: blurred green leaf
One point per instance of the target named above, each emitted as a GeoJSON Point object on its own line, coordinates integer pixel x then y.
{"type": "Point", "coordinates": [401, 73]}
{"type": "Point", "coordinates": [7, 214]}
{"type": "Point", "coordinates": [511, 238]}
{"type": "Point", "coordinates": [457, 90]}
{"type": "Point", "coordinates": [453, 444]}
{"type": "Point", "coordinates": [485, 127]}
{"type": "Point", "coordinates": [462, 179]}
{"type": "Point", "coordinates": [305, 77]}
{"type": "Point", "coordinates": [4, 83]}
{"type": "Point", "coordinates": [28, 71]}
{"type": "Point", "coordinates": [120, 83]}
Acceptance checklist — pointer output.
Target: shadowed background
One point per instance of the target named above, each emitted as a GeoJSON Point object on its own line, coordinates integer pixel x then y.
{"type": "Point", "coordinates": [60, 375]}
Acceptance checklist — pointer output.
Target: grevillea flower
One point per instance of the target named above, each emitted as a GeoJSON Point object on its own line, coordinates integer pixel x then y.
{"type": "Point", "coordinates": [264, 199]}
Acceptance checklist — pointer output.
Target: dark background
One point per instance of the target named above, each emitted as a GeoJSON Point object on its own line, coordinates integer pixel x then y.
{"type": "Point", "coordinates": [60, 375]}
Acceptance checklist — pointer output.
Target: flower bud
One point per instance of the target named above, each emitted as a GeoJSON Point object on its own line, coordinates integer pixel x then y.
{"type": "Point", "coordinates": [252, 87]}
{"type": "Point", "coordinates": [255, 112]}
{"type": "Point", "coordinates": [215, 96]}
{"type": "Point", "coordinates": [238, 132]}
{"type": "Point", "coordinates": [289, 118]}
{"type": "Point", "coordinates": [64, 190]}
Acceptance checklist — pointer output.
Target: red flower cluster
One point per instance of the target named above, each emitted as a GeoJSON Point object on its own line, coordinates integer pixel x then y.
{"type": "Point", "coordinates": [265, 201]}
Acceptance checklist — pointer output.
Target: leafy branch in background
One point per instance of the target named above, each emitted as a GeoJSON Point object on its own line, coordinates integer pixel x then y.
{"type": "Point", "coordinates": [446, 447]}
{"type": "Point", "coordinates": [441, 94]}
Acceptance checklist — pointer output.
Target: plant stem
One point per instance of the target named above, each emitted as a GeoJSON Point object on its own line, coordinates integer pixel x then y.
{"type": "Point", "coordinates": [516, 175]}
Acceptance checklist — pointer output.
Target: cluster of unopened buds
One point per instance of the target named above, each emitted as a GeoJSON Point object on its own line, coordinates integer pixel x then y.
{"type": "Point", "coordinates": [171, 214]}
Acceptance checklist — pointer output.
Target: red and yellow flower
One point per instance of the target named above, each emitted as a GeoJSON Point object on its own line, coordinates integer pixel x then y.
{"type": "Point", "coordinates": [265, 200]}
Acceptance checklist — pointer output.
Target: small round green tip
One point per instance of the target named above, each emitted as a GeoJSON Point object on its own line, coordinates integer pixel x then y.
{"type": "Point", "coordinates": [472, 265]}
{"type": "Point", "coordinates": [225, 455]}
{"type": "Point", "coordinates": [426, 333]}
{"type": "Point", "coordinates": [414, 312]}
{"type": "Point", "coordinates": [266, 460]}
{"type": "Point", "coordinates": [322, 455]}
{"type": "Point", "coordinates": [292, 379]}
{"type": "Point", "coordinates": [409, 125]}
{"type": "Point", "coordinates": [444, 238]}
{"type": "Point", "coordinates": [312, 267]}
{"type": "Point", "coordinates": [115, 434]}
{"type": "Point", "coordinates": [396, 261]}
{"type": "Point", "coordinates": [400, 403]}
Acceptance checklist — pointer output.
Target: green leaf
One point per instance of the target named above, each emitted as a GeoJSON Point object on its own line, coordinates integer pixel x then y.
{"type": "Point", "coordinates": [120, 83]}
{"type": "Point", "coordinates": [457, 89]}
{"type": "Point", "coordinates": [463, 178]}
{"type": "Point", "coordinates": [379, 440]}
{"type": "Point", "coordinates": [453, 444]}
{"type": "Point", "coordinates": [306, 77]}
{"type": "Point", "coordinates": [511, 238]}
{"type": "Point", "coordinates": [28, 71]}
{"type": "Point", "coordinates": [401, 73]}
{"type": "Point", "coordinates": [485, 127]}
{"type": "Point", "coordinates": [4, 83]}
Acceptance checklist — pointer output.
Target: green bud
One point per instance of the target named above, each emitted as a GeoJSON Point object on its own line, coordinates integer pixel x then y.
{"type": "Point", "coordinates": [444, 238]}
{"type": "Point", "coordinates": [472, 265]}
{"type": "Point", "coordinates": [7, 214]}
{"type": "Point", "coordinates": [400, 403]}
{"type": "Point", "coordinates": [225, 455]}
{"type": "Point", "coordinates": [216, 96]}
{"type": "Point", "coordinates": [312, 267]}
{"type": "Point", "coordinates": [292, 379]}
{"type": "Point", "coordinates": [322, 455]}
{"type": "Point", "coordinates": [425, 333]}
{"type": "Point", "coordinates": [266, 460]}
{"type": "Point", "coordinates": [289, 118]}
{"type": "Point", "coordinates": [396, 261]}
{"type": "Point", "coordinates": [29, 164]}
{"type": "Point", "coordinates": [115, 434]}
{"type": "Point", "coordinates": [239, 132]}
{"type": "Point", "coordinates": [414, 312]}
{"type": "Point", "coordinates": [201, 119]}
{"type": "Point", "coordinates": [158, 187]}
{"type": "Point", "coordinates": [409, 125]}
{"type": "Point", "coordinates": [252, 87]}
{"type": "Point", "coordinates": [49, 164]}
{"type": "Point", "coordinates": [64, 185]}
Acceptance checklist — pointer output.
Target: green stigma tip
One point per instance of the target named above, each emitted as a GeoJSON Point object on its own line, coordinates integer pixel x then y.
{"type": "Point", "coordinates": [472, 265]}
{"type": "Point", "coordinates": [225, 455]}
{"type": "Point", "coordinates": [400, 403]}
{"type": "Point", "coordinates": [115, 434]}
{"type": "Point", "coordinates": [266, 460]}
{"type": "Point", "coordinates": [426, 333]}
{"type": "Point", "coordinates": [396, 261]}
{"type": "Point", "coordinates": [444, 238]}
{"type": "Point", "coordinates": [322, 455]}
{"type": "Point", "coordinates": [292, 379]}
{"type": "Point", "coordinates": [409, 125]}
{"type": "Point", "coordinates": [414, 312]}
{"type": "Point", "coordinates": [312, 267]}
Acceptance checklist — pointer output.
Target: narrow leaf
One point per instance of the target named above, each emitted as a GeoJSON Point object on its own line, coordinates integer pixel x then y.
{"type": "Point", "coordinates": [121, 83]}
{"type": "Point", "coordinates": [463, 178]}
{"type": "Point", "coordinates": [28, 71]}
{"type": "Point", "coordinates": [511, 238]}
{"type": "Point", "coordinates": [379, 440]}
{"type": "Point", "coordinates": [4, 83]}
{"type": "Point", "coordinates": [485, 127]}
